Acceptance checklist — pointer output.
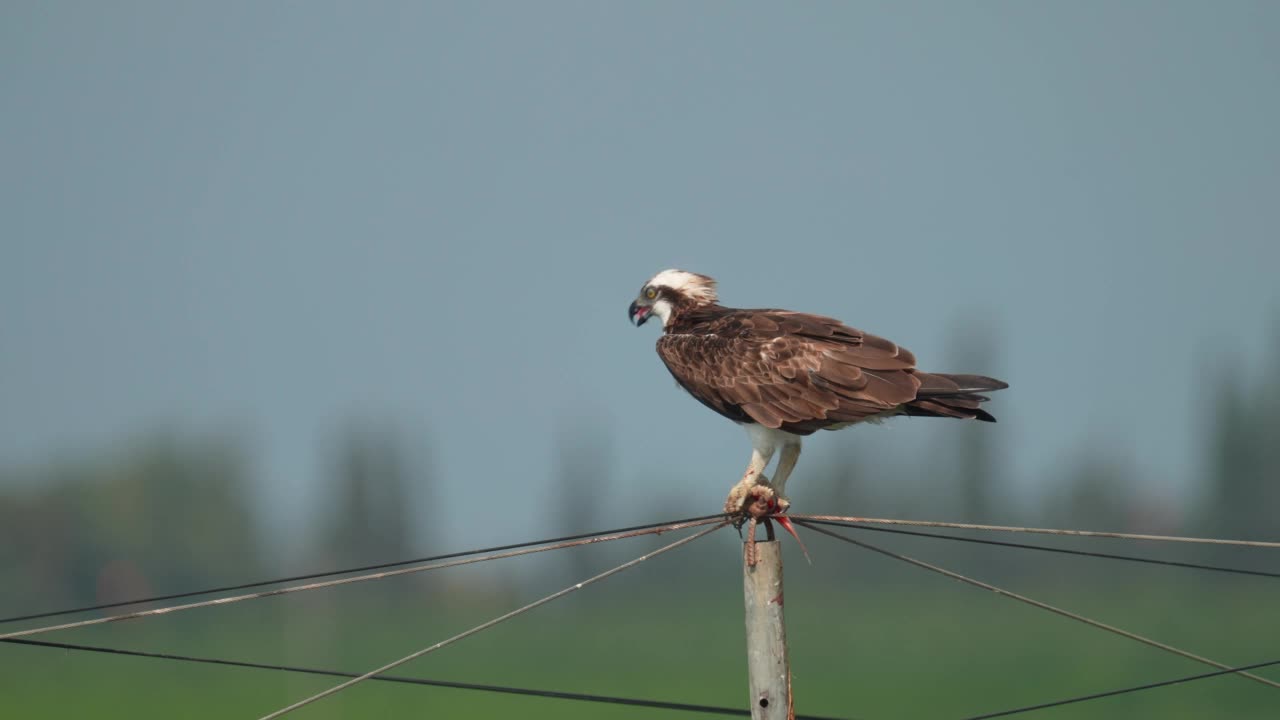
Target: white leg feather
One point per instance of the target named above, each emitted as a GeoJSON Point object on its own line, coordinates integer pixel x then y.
{"type": "Point", "coordinates": [764, 443]}
{"type": "Point", "coordinates": [786, 463]}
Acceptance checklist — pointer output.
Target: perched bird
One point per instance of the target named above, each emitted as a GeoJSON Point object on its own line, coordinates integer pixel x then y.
{"type": "Point", "coordinates": [784, 375]}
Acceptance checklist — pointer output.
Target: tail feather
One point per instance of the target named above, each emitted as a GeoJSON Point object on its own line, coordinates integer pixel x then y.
{"type": "Point", "coordinates": [945, 395]}
{"type": "Point", "coordinates": [935, 384]}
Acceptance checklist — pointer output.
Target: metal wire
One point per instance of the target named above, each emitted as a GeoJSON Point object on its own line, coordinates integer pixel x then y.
{"type": "Point", "coordinates": [810, 521]}
{"type": "Point", "coordinates": [833, 519]}
{"type": "Point", "coordinates": [330, 573]}
{"type": "Point", "coordinates": [530, 692]}
{"type": "Point", "coordinates": [359, 578]}
{"type": "Point", "coordinates": [1046, 548]}
{"type": "Point", "coordinates": [1122, 691]}
{"type": "Point", "coordinates": [608, 699]}
{"type": "Point", "coordinates": [1036, 603]}
{"type": "Point", "coordinates": [486, 625]}
{"type": "Point", "coordinates": [1041, 531]}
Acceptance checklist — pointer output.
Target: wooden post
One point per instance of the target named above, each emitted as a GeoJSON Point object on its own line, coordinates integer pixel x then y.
{"type": "Point", "coordinates": [768, 672]}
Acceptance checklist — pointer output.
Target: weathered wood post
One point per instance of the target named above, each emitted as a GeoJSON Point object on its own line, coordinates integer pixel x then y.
{"type": "Point", "coordinates": [768, 672]}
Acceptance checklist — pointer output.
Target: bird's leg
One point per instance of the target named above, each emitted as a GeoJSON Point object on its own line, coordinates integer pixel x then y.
{"type": "Point", "coordinates": [786, 463]}
{"type": "Point", "coordinates": [738, 496]}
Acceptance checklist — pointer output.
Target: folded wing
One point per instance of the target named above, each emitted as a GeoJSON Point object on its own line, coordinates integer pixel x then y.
{"type": "Point", "coordinates": [792, 371]}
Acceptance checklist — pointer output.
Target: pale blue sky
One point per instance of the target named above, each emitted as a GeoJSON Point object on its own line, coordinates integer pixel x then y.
{"type": "Point", "coordinates": [277, 215]}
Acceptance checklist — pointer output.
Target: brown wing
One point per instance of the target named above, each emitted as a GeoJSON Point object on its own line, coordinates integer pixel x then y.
{"type": "Point", "coordinates": [792, 371]}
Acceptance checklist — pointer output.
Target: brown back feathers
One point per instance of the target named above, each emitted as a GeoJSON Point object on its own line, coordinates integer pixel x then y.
{"type": "Point", "coordinates": [802, 373]}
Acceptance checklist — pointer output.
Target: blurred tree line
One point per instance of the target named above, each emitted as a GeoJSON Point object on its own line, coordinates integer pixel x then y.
{"type": "Point", "coordinates": [173, 513]}
{"type": "Point", "coordinates": [168, 511]}
{"type": "Point", "coordinates": [1242, 479]}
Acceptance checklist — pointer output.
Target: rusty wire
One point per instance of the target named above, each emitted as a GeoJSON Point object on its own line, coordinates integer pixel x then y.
{"type": "Point", "coordinates": [1036, 603]}
{"type": "Point", "coordinates": [502, 618]}
{"type": "Point", "coordinates": [359, 578]}
{"type": "Point", "coordinates": [1041, 531]}
{"type": "Point", "coordinates": [342, 571]}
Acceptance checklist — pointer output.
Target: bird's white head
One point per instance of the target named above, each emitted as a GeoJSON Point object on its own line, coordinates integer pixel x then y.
{"type": "Point", "coordinates": [668, 291]}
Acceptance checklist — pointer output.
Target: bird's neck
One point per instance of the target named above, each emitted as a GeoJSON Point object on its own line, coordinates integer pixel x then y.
{"type": "Point", "coordinates": [685, 316]}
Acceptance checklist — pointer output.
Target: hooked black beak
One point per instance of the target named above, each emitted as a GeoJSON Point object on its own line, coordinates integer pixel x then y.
{"type": "Point", "coordinates": [638, 313]}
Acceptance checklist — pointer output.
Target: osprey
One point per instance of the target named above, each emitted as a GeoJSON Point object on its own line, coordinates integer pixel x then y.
{"type": "Point", "coordinates": [784, 375]}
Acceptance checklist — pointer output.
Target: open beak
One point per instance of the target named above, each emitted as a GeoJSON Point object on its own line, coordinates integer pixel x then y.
{"type": "Point", "coordinates": [639, 313]}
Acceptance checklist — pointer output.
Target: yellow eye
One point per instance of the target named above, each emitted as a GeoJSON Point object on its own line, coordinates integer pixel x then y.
{"type": "Point", "coordinates": [651, 293]}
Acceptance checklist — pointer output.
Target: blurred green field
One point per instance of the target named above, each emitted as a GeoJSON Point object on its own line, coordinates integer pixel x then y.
{"type": "Point", "coordinates": [903, 646]}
